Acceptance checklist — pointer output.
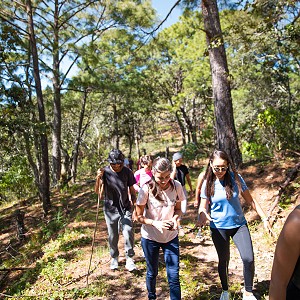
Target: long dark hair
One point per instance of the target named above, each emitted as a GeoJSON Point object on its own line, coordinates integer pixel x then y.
{"type": "Point", "coordinates": [228, 180]}
{"type": "Point", "coordinates": [160, 164]}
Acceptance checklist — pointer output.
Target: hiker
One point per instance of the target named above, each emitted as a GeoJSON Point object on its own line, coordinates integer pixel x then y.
{"type": "Point", "coordinates": [285, 276]}
{"type": "Point", "coordinates": [130, 163]}
{"type": "Point", "coordinates": [158, 209]}
{"type": "Point", "coordinates": [144, 174]}
{"type": "Point", "coordinates": [116, 183]}
{"type": "Point", "coordinates": [220, 204]}
{"type": "Point", "coordinates": [181, 173]}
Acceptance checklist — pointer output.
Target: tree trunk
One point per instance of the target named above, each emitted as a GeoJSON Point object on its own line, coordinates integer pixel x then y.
{"type": "Point", "coordinates": [56, 133]}
{"type": "Point", "coordinates": [44, 182]}
{"type": "Point", "coordinates": [78, 138]}
{"type": "Point", "coordinates": [190, 127]}
{"type": "Point", "coordinates": [225, 129]}
{"type": "Point", "coordinates": [137, 145]}
{"type": "Point", "coordinates": [181, 127]}
{"type": "Point", "coordinates": [116, 127]}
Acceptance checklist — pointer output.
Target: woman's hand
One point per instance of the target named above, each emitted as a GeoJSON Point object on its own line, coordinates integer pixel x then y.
{"type": "Point", "coordinates": [203, 216]}
{"type": "Point", "coordinates": [134, 216]}
{"type": "Point", "coordinates": [167, 224]}
{"type": "Point", "coordinates": [268, 227]}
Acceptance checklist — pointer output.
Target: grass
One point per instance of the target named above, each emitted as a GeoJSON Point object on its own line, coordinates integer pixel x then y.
{"type": "Point", "coordinates": [61, 245]}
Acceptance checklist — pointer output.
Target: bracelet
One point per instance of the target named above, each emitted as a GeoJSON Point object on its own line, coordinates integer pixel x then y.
{"type": "Point", "coordinates": [151, 222]}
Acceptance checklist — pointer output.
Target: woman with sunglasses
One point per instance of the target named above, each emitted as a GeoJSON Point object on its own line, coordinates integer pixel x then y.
{"type": "Point", "coordinates": [220, 204]}
{"type": "Point", "coordinates": [158, 208]}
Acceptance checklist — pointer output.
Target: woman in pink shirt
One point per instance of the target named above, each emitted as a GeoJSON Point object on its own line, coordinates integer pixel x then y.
{"type": "Point", "coordinates": [158, 208]}
{"type": "Point", "coordinates": [144, 174]}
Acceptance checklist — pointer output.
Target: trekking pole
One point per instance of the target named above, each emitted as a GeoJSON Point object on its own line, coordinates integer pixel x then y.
{"type": "Point", "coordinates": [94, 236]}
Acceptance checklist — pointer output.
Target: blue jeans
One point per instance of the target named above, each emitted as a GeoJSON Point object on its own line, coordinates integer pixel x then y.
{"type": "Point", "coordinates": [171, 256]}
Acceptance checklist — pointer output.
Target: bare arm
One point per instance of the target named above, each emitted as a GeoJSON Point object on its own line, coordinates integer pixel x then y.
{"type": "Point", "coordinates": [140, 215]}
{"type": "Point", "coordinates": [188, 179]}
{"type": "Point", "coordinates": [177, 214]}
{"type": "Point", "coordinates": [159, 225]}
{"type": "Point", "coordinates": [203, 214]}
{"type": "Point", "coordinates": [256, 206]}
{"type": "Point", "coordinates": [132, 193]}
{"type": "Point", "coordinates": [287, 253]}
{"type": "Point", "coordinates": [173, 173]}
{"type": "Point", "coordinates": [198, 189]}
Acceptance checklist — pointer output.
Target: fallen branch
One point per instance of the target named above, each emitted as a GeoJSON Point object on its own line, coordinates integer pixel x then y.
{"type": "Point", "coordinates": [289, 178]}
{"type": "Point", "coordinates": [13, 269]}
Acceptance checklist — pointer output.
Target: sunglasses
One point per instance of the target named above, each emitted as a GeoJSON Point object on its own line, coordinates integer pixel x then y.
{"type": "Point", "coordinates": [114, 164]}
{"type": "Point", "coordinates": [220, 169]}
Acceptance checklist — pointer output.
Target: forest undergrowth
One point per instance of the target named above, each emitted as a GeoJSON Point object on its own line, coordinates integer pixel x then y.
{"type": "Point", "coordinates": [56, 254]}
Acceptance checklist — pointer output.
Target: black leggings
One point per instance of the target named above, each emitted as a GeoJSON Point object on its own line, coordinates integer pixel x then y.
{"type": "Point", "coordinates": [242, 240]}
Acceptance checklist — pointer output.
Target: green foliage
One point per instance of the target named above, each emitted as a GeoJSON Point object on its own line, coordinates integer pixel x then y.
{"type": "Point", "coordinates": [276, 125]}
{"type": "Point", "coordinates": [54, 271]}
{"type": "Point", "coordinates": [253, 150]}
{"type": "Point", "coordinates": [17, 181]}
{"type": "Point", "coordinates": [134, 84]}
{"type": "Point", "coordinates": [27, 279]}
{"type": "Point", "coordinates": [57, 223]}
{"type": "Point", "coordinates": [190, 151]}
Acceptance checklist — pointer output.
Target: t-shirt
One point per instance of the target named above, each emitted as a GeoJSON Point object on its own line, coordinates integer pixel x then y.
{"type": "Point", "coordinates": [160, 210]}
{"type": "Point", "coordinates": [225, 214]}
{"type": "Point", "coordinates": [141, 176]}
{"type": "Point", "coordinates": [181, 172]}
{"type": "Point", "coordinates": [116, 189]}
{"type": "Point", "coordinates": [296, 275]}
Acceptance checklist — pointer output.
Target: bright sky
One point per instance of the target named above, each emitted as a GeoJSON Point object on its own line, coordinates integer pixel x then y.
{"type": "Point", "coordinates": [163, 7]}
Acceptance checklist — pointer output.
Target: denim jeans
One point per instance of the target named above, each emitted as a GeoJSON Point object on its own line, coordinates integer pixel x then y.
{"type": "Point", "coordinates": [171, 257]}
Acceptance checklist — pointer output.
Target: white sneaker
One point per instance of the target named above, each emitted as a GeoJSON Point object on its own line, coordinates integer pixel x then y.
{"type": "Point", "coordinates": [224, 295]}
{"type": "Point", "coordinates": [249, 296]}
{"type": "Point", "coordinates": [130, 265]}
{"type": "Point", "coordinates": [114, 264]}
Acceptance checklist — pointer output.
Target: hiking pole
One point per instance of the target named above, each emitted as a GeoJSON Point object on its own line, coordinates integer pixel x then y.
{"type": "Point", "coordinates": [94, 236]}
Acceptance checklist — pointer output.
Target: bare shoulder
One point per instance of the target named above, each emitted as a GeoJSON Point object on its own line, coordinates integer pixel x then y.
{"type": "Point", "coordinates": [294, 216]}
{"type": "Point", "coordinates": [292, 224]}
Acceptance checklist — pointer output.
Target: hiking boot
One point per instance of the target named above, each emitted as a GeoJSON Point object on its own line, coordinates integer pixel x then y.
{"type": "Point", "coordinates": [249, 296]}
{"type": "Point", "coordinates": [224, 295]}
{"type": "Point", "coordinates": [114, 264]}
{"type": "Point", "coordinates": [130, 265]}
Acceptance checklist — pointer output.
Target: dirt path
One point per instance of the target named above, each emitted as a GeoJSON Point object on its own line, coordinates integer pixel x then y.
{"type": "Point", "coordinates": [198, 257]}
